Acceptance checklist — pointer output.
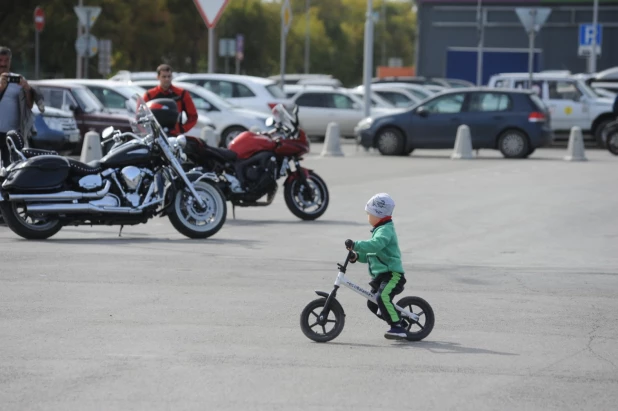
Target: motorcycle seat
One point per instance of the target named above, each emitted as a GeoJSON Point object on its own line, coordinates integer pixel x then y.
{"type": "Point", "coordinates": [34, 152]}
{"type": "Point", "coordinates": [82, 169]}
{"type": "Point", "coordinates": [224, 153]}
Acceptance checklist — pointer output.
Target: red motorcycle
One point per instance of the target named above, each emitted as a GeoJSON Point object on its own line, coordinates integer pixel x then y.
{"type": "Point", "coordinates": [250, 168]}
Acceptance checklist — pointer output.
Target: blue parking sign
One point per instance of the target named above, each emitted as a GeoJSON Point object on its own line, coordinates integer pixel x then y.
{"type": "Point", "coordinates": [586, 35]}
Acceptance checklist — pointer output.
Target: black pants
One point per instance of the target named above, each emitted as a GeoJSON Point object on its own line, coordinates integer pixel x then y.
{"type": "Point", "coordinates": [5, 155]}
{"type": "Point", "coordinates": [387, 285]}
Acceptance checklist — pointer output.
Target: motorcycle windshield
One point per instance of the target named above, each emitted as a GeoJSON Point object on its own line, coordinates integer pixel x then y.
{"type": "Point", "coordinates": [282, 116]}
{"type": "Point", "coordinates": [144, 122]}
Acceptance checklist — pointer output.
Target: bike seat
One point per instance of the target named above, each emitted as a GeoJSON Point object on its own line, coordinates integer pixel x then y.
{"type": "Point", "coordinates": [83, 169]}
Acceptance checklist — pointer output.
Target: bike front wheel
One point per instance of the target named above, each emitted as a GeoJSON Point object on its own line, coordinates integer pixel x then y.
{"type": "Point", "coordinates": [326, 329]}
{"type": "Point", "coordinates": [417, 330]}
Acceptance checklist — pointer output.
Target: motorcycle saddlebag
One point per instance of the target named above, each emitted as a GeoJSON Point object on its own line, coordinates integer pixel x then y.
{"type": "Point", "coordinates": [42, 173]}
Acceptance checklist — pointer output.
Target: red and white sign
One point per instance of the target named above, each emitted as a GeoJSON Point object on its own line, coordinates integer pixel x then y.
{"type": "Point", "coordinates": [39, 19]}
{"type": "Point", "coordinates": [211, 10]}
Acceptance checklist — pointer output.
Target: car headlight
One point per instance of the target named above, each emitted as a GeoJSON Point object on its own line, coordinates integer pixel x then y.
{"type": "Point", "coordinates": [54, 123]}
{"type": "Point", "coordinates": [365, 123]}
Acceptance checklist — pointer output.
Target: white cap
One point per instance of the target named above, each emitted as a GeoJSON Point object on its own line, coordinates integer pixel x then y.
{"type": "Point", "coordinates": [380, 205]}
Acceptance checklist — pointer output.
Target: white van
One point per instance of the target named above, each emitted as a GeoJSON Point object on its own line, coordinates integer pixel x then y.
{"type": "Point", "coordinates": [570, 101]}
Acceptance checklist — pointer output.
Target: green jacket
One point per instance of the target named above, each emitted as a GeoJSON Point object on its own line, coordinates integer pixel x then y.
{"type": "Point", "coordinates": [381, 253]}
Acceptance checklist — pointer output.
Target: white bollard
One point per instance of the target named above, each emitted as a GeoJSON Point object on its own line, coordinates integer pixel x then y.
{"type": "Point", "coordinates": [332, 143]}
{"type": "Point", "coordinates": [209, 136]}
{"type": "Point", "coordinates": [575, 150]}
{"type": "Point", "coordinates": [463, 144]}
{"type": "Point", "coordinates": [91, 149]}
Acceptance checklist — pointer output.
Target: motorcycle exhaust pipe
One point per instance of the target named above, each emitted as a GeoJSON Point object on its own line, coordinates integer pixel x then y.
{"type": "Point", "coordinates": [71, 208]}
{"type": "Point", "coordinates": [61, 196]}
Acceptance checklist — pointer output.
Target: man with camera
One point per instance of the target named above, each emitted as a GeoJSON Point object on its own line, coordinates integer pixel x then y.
{"type": "Point", "coordinates": [16, 99]}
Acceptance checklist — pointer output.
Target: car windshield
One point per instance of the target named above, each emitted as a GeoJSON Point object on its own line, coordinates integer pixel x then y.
{"type": "Point", "coordinates": [275, 90]}
{"type": "Point", "coordinates": [87, 100]}
{"type": "Point", "coordinates": [212, 98]}
{"type": "Point", "coordinates": [130, 91]}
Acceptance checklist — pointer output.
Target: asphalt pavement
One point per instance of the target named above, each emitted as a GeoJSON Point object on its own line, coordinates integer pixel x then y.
{"type": "Point", "coordinates": [517, 257]}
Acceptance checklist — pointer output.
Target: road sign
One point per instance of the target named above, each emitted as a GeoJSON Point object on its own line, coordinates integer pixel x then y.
{"type": "Point", "coordinates": [105, 57]}
{"type": "Point", "coordinates": [587, 39]}
{"type": "Point", "coordinates": [82, 14]}
{"type": "Point", "coordinates": [240, 47]}
{"type": "Point", "coordinates": [86, 45]}
{"type": "Point", "coordinates": [533, 18]}
{"type": "Point", "coordinates": [39, 19]}
{"type": "Point", "coordinates": [210, 10]}
{"type": "Point", "coordinates": [286, 15]}
{"type": "Point", "coordinates": [227, 47]}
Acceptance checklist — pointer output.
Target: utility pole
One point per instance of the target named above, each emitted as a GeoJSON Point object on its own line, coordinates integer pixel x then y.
{"type": "Point", "coordinates": [368, 69]}
{"type": "Point", "coordinates": [78, 68]}
{"type": "Point", "coordinates": [384, 32]}
{"type": "Point", "coordinates": [307, 37]}
{"type": "Point", "coordinates": [592, 59]}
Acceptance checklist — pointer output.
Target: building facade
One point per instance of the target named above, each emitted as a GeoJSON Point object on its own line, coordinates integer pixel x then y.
{"type": "Point", "coordinates": [448, 37]}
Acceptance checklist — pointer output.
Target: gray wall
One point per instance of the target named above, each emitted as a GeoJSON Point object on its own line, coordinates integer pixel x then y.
{"type": "Point", "coordinates": [442, 26]}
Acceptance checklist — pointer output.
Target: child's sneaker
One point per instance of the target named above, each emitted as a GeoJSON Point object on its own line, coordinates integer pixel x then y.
{"type": "Point", "coordinates": [397, 332]}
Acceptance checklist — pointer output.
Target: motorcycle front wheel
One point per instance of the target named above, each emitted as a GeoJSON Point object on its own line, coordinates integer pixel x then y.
{"type": "Point", "coordinates": [193, 221]}
{"type": "Point", "coordinates": [307, 200]}
{"type": "Point", "coordinates": [28, 226]}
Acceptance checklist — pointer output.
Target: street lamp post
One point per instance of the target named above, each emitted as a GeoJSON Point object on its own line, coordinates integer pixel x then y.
{"type": "Point", "coordinates": [307, 39]}
{"type": "Point", "coordinates": [367, 71]}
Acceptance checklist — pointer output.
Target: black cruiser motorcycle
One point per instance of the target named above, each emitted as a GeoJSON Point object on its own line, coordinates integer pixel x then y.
{"type": "Point", "coordinates": [139, 178]}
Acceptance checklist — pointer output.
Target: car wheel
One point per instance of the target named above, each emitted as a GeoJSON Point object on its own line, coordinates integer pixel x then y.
{"type": "Point", "coordinates": [599, 135]}
{"type": "Point", "coordinates": [230, 134]}
{"type": "Point", "coordinates": [390, 142]}
{"type": "Point", "coordinates": [514, 144]}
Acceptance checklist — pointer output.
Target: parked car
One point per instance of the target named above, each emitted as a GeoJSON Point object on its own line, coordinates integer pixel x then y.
{"type": "Point", "coordinates": [88, 111]}
{"type": "Point", "coordinates": [251, 92]}
{"type": "Point", "coordinates": [54, 130]}
{"type": "Point", "coordinates": [513, 121]}
{"type": "Point", "coordinates": [569, 99]}
{"type": "Point", "coordinates": [118, 97]}
{"type": "Point", "coordinates": [376, 99]}
{"type": "Point", "coordinates": [126, 75]}
{"type": "Point", "coordinates": [320, 105]}
{"type": "Point", "coordinates": [435, 81]}
{"type": "Point", "coordinates": [396, 96]}
{"type": "Point", "coordinates": [229, 119]}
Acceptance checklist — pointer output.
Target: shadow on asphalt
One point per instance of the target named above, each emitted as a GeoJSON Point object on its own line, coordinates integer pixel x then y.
{"type": "Point", "coordinates": [436, 347]}
{"type": "Point", "coordinates": [243, 222]}
{"type": "Point", "coordinates": [128, 239]}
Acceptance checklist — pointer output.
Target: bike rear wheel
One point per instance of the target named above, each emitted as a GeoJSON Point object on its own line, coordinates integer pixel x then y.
{"type": "Point", "coordinates": [322, 331]}
{"type": "Point", "coordinates": [417, 330]}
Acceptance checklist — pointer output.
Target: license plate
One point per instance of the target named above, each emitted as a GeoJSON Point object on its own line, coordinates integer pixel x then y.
{"type": "Point", "coordinates": [74, 138]}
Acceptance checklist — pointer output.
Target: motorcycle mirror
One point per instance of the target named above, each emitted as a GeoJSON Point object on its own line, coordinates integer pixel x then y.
{"type": "Point", "coordinates": [107, 132]}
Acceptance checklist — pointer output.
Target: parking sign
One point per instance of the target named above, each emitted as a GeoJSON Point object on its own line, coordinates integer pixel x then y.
{"type": "Point", "coordinates": [587, 39]}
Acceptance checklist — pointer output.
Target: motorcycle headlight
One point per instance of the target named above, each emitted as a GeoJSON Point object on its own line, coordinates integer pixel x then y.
{"type": "Point", "coordinates": [182, 141]}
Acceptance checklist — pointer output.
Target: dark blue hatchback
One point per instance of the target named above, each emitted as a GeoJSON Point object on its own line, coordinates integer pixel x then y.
{"type": "Point", "coordinates": [515, 122]}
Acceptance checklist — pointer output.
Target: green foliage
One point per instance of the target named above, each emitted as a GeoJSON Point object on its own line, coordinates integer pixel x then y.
{"type": "Point", "coordinates": [145, 33]}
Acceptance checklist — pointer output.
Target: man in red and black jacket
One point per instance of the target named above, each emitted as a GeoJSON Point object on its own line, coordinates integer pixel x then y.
{"type": "Point", "coordinates": [165, 89]}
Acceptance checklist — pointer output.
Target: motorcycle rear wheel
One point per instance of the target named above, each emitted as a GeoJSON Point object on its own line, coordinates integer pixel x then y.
{"type": "Point", "coordinates": [27, 226]}
{"type": "Point", "coordinates": [190, 220]}
{"type": "Point", "coordinates": [312, 195]}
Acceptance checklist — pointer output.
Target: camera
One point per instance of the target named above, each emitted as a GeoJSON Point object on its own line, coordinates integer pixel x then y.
{"type": "Point", "coordinates": [13, 78]}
